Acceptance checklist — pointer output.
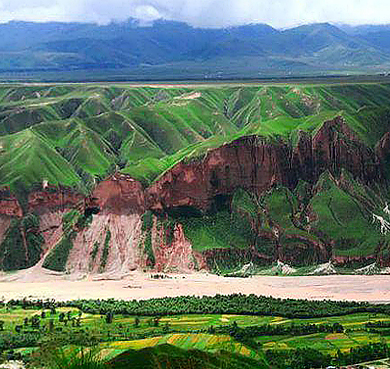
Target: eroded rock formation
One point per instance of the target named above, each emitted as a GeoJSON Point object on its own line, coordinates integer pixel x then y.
{"type": "Point", "coordinates": [256, 164]}
{"type": "Point", "coordinates": [115, 239]}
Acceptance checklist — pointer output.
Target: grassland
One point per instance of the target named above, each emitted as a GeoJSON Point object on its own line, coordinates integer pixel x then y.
{"type": "Point", "coordinates": [80, 132]}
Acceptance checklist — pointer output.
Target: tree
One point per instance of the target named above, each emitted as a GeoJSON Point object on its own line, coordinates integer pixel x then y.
{"type": "Point", "coordinates": [338, 328]}
{"type": "Point", "coordinates": [136, 322]}
{"type": "Point", "coordinates": [211, 329]}
{"type": "Point", "coordinates": [166, 328]}
{"type": "Point", "coordinates": [156, 321]}
{"type": "Point", "coordinates": [2, 325]}
{"type": "Point", "coordinates": [234, 328]}
{"type": "Point", "coordinates": [51, 325]}
{"type": "Point", "coordinates": [109, 317]}
{"type": "Point", "coordinates": [35, 322]}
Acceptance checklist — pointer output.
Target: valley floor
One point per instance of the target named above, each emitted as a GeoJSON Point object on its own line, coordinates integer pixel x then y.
{"type": "Point", "coordinates": [38, 283]}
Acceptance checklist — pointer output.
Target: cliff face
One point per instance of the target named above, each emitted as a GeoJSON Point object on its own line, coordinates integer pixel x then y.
{"type": "Point", "coordinates": [9, 204]}
{"type": "Point", "coordinates": [249, 163]}
{"type": "Point", "coordinates": [117, 241]}
{"type": "Point", "coordinates": [53, 198]}
{"type": "Point", "coordinates": [111, 242]}
{"type": "Point", "coordinates": [335, 146]}
{"type": "Point", "coordinates": [175, 255]}
{"type": "Point", "coordinates": [119, 194]}
{"type": "Point", "coordinates": [256, 164]}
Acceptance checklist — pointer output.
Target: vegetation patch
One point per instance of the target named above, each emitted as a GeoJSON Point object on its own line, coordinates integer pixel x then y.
{"type": "Point", "coordinates": [105, 252]}
{"type": "Point", "coordinates": [95, 250]}
{"type": "Point", "coordinates": [22, 244]}
{"type": "Point", "coordinates": [58, 257]}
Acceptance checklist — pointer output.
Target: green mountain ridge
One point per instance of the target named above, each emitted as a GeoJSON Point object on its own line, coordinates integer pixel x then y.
{"type": "Point", "coordinates": [76, 136]}
{"type": "Point", "coordinates": [130, 127]}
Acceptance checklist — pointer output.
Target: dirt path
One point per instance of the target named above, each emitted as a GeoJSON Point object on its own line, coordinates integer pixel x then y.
{"type": "Point", "coordinates": [38, 283]}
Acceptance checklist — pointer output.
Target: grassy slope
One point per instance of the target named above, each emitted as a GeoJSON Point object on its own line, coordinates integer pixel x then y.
{"type": "Point", "coordinates": [146, 131]}
{"type": "Point", "coordinates": [168, 356]}
{"type": "Point", "coordinates": [342, 218]}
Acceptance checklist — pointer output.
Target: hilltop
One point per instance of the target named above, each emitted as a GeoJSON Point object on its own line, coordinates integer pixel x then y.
{"type": "Point", "coordinates": [114, 178]}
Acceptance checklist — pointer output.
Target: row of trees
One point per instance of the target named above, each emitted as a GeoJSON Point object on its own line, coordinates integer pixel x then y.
{"type": "Point", "coordinates": [220, 304]}
{"type": "Point", "coordinates": [227, 304]}
{"type": "Point", "coordinates": [244, 334]}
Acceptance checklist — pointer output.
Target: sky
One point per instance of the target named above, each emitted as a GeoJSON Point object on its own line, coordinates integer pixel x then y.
{"type": "Point", "coordinates": [200, 13]}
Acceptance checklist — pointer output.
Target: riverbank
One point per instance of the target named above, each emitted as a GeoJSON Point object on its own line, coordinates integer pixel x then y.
{"type": "Point", "coordinates": [38, 283]}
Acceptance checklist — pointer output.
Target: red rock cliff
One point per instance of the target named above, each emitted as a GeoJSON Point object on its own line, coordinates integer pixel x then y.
{"type": "Point", "coordinates": [256, 163]}
{"type": "Point", "coordinates": [53, 198]}
{"type": "Point", "coordinates": [9, 204]}
{"type": "Point", "coordinates": [119, 194]}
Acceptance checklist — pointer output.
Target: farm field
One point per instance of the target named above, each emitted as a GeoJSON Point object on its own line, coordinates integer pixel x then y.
{"type": "Point", "coordinates": [27, 331]}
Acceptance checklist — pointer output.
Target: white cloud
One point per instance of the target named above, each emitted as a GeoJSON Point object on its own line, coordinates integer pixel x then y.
{"type": "Point", "coordinates": [203, 13]}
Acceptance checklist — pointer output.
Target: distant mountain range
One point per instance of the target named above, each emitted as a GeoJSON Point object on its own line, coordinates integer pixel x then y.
{"type": "Point", "coordinates": [173, 49]}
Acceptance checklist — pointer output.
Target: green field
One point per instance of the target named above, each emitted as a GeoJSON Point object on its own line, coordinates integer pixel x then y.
{"type": "Point", "coordinates": [203, 334]}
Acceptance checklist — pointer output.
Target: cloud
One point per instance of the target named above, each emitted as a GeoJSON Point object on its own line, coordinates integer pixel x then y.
{"type": "Point", "coordinates": [200, 13]}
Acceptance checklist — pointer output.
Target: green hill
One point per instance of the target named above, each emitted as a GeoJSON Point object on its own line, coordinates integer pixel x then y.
{"type": "Point", "coordinates": [75, 136]}
{"type": "Point", "coordinates": [91, 130]}
{"type": "Point", "coordinates": [168, 356]}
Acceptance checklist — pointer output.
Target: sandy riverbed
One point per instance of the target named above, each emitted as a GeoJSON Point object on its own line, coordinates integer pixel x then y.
{"type": "Point", "coordinates": [38, 283]}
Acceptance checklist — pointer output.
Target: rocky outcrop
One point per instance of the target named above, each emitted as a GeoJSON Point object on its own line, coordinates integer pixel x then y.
{"type": "Point", "coordinates": [382, 148]}
{"type": "Point", "coordinates": [353, 260]}
{"type": "Point", "coordinates": [9, 204]}
{"type": "Point", "coordinates": [5, 222]}
{"type": "Point", "coordinates": [53, 198]}
{"type": "Point", "coordinates": [115, 239]}
{"type": "Point", "coordinates": [302, 158]}
{"type": "Point", "coordinates": [177, 255]}
{"type": "Point", "coordinates": [116, 236]}
{"type": "Point", "coordinates": [256, 164]}
{"type": "Point", "coordinates": [118, 194]}
{"type": "Point", "coordinates": [50, 227]}
{"type": "Point", "coordinates": [252, 163]}
{"type": "Point", "coordinates": [335, 146]}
